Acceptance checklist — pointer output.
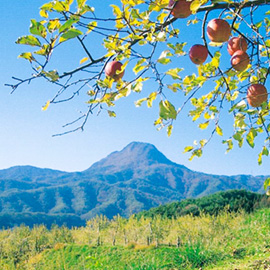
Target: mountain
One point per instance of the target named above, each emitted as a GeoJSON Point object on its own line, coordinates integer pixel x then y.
{"type": "Point", "coordinates": [136, 178]}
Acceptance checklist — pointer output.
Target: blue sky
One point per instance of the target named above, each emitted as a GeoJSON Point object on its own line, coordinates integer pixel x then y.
{"type": "Point", "coordinates": [26, 130]}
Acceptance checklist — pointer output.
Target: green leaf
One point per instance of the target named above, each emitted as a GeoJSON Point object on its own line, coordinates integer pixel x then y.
{"type": "Point", "coordinates": [135, 14]}
{"type": "Point", "coordinates": [178, 48]}
{"type": "Point", "coordinates": [53, 75]}
{"type": "Point", "coordinates": [28, 40]}
{"type": "Point", "coordinates": [67, 25]}
{"type": "Point", "coordinates": [238, 136]}
{"type": "Point", "coordinates": [174, 73]}
{"type": "Point", "coordinates": [167, 110]}
{"type": "Point", "coordinates": [139, 67]}
{"type": "Point", "coordinates": [196, 153]}
{"type": "Point", "coordinates": [112, 113]}
{"type": "Point", "coordinates": [72, 33]}
{"type": "Point", "coordinates": [266, 183]}
{"type": "Point", "coordinates": [267, 42]}
{"type": "Point", "coordinates": [81, 3]}
{"type": "Point", "coordinates": [260, 158]}
{"type": "Point", "coordinates": [229, 145]}
{"type": "Point", "coordinates": [45, 50]}
{"type": "Point", "coordinates": [239, 120]}
{"type": "Point", "coordinates": [164, 61]}
{"type": "Point", "coordinates": [36, 28]}
{"type": "Point", "coordinates": [265, 151]}
{"type": "Point", "coordinates": [250, 137]}
{"type": "Point", "coordinates": [151, 98]}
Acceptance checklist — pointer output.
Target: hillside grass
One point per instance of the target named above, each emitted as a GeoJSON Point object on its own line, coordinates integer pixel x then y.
{"type": "Point", "coordinates": [228, 241]}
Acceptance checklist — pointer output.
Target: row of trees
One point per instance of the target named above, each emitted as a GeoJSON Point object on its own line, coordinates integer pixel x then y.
{"type": "Point", "coordinates": [20, 244]}
{"type": "Point", "coordinates": [174, 224]}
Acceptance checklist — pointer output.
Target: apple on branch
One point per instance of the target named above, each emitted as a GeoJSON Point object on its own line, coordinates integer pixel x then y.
{"type": "Point", "coordinates": [113, 70]}
{"type": "Point", "coordinates": [235, 44]}
{"type": "Point", "coordinates": [218, 30]}
{"type": "Point", "coordinates": [240, 60]}
{"type": "Point", "coordinates": [198, 54]}
{"type": "Point", "coordinates": [180, 8]}
{"type": "Point", "coordinates": [256, 95]}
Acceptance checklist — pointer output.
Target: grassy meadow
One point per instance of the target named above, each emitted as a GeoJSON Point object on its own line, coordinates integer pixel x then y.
{"type": "Point", "coordinates": [227, 241]}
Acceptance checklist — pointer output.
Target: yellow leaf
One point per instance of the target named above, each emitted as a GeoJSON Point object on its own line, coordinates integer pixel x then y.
{"type": "Point", "coordinates": [169, 130]}
{"type": "Point", "coordinates": [117, 11]}
{"type": "Point", "coordinates": [44, 108]}
{"type": "Point", "coordinates": [219, 130]}
{"type": "Point", "coordinates": [196, 4]}
{"type": "Point", "coordinates": [43, 13]}
{"type": "Point", "coordinates": [199, 70]}
{"type": "Point", "coordinates": [91, 26]}
{"type": "Point", "coordinates": [215, 44]}
{"type": "Point", "coordinates": [84, 60]}
{"type": "Point", "coordinates": [204, 125]}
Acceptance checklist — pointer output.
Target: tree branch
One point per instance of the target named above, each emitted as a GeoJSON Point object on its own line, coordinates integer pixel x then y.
{"type": "Point", "coordinates": [233, 5]}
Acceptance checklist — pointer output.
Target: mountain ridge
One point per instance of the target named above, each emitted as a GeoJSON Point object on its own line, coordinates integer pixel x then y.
{"type": "Point", "coordinates": [112, 153]}
{"type": "Point", "coordinates": [133, 179]}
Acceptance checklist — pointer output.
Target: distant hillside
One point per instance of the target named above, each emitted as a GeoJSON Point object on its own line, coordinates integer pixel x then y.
{"type": "Point", "coordinates": [136, 178]}
{"type": "Point", "coordinates": [231, 201]}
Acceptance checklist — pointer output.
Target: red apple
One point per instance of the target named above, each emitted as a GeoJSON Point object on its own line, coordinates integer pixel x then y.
{"type": "Point", "coordinates": [218, 30]}
{"type": "Point", "coordinates": [112, 68]}
{"type": "Point", "coordinates": [180, 8]}
{"type": "Point", "coordinates": [240, 60]}
{"type": "Point", "coordinates": [235, 44]}
{"type": "Point", "coordinates": [198, 54]}
{"type": "Point", "coordinates": [256, 95]}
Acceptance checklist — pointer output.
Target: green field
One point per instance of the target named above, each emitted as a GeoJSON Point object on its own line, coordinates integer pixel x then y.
{"type": "Point", "coordinates": [226, 241]}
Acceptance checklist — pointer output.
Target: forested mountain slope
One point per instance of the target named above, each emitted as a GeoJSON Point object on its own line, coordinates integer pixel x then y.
{"type": "Point", "coordinates": [136, 178]}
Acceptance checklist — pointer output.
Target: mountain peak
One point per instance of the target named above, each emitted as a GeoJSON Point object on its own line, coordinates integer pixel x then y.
{"type": "Point", "coordinates": [134, 154]}
{"type": "Point", "coordinates": [144, 151]}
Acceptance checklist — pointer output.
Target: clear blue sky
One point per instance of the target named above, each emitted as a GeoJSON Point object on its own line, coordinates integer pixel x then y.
{"type": "Point", "coordinates": [26, 131]}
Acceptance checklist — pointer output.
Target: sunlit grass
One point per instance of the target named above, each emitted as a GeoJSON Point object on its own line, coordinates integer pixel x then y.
{"type": "Point", "coordinates": [227, 241]}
